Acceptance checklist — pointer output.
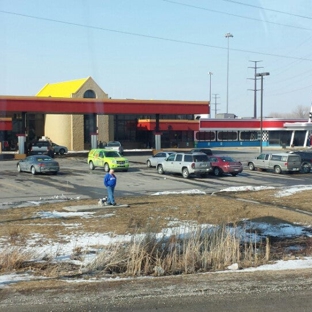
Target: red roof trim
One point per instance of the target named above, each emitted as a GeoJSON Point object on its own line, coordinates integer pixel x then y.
{"type": "Point", "coordinates": [52, 105]}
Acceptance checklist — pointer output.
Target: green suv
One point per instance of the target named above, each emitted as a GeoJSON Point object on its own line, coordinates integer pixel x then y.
{"type": "Point", "coordinates": [107, 159]}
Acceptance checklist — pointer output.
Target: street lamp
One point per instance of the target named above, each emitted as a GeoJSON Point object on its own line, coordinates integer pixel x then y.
{"type": "Point", "coordinates": [210, 73]}
{"type": "Point", "coordinates": [228, 36]}
{"type": "Point", "coordinates": [261, 109]}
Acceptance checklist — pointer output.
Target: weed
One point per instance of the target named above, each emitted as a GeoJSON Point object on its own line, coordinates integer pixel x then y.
{"type": "Point", "coordinates": [14, 258]}
{"type": "Point", "coordinates": [202, 250]}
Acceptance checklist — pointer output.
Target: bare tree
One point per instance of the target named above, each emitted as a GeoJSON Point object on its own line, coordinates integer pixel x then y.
{"type": "Point", "coordinates": [300, 112]}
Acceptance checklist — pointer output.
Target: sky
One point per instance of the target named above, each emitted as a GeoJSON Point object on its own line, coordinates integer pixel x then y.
{"type": "Point", "coordinates": [61, 252]}
{"type": "Point", "coordinates": [163, 50]}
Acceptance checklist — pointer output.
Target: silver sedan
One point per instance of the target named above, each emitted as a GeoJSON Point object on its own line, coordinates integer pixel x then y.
{"type": "Point", "coordinates": [38, 164]}
{"type": "Point", "coordinates": [59, 149]}
{"type": "Point", "coordinates": [158, 157]}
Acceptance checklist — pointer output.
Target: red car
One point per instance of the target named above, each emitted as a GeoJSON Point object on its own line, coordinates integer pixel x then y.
{"type": "Point", "coordinates": [225, 164]}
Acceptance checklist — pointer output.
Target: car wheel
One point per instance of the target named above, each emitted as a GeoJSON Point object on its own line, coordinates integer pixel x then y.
{"type": "Point", "coordinates": [185, 173]}
{"type": "Point", "coordinates": [33, 170]}
{"type": "Point", "coordinates": [160, 169]}
{"type": "Point", "coordinates": [277, 169]}
{"type": "Point", "coordinates": [251, 166]}
{"type": "Point", "coordinates": [91, 165]}
{"type": "Point", "coordinates": [148, 163]}
{"type": "Point", "coordinates": [62, 151]}
{"type": "Point", "coordinates": [217, 171]}
{"type": "Point", "coordinates": [19, 168]}
{"type": "Point", "coordinates": [106, 167]}
{"type": "Point", "coordinates": [306, 168]}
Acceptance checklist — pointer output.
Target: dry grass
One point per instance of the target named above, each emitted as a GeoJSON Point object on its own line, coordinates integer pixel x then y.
{"type": "Point", "coordinates": [151, 214]}
{"type": "Point", "coordinates": [205, 249]}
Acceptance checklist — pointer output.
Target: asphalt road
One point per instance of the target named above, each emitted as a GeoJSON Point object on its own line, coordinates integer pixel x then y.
{"type": "Point", "coordinates": [75, 180]}
{"type": "Point", "coordinates": [281, 291]}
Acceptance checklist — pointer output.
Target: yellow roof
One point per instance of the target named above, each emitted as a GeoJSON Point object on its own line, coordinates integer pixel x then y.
{"type": "Point", "coordinates": [62, 89]}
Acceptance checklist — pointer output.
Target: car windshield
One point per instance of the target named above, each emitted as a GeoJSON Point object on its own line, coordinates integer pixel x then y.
{"type": "Point", "coordinates": [227, 158]}
{"type": "Point", "coordinates": [200, 158]}
{"type": "Point", "coordinates": [43, 158]}
{"type": "Point", "coordinates": [113, 144]}
{"type": "Point", "coordinates": [112, 154]}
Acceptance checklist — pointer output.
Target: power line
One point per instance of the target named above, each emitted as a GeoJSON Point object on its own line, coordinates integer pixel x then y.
{"type": "Point", "coordinates": [150, 37]}
{"type": "Point", "coordinates": [267, 9]}
{"type": "Point", "coordinates": [236, 15]}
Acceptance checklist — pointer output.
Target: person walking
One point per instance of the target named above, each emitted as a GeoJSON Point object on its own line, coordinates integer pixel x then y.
{"type": "Point", "coordinates": [110, 181]}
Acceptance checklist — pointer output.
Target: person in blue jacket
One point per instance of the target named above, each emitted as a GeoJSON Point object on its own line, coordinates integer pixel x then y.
{"type": "Point", "coordinates": [110, 181]}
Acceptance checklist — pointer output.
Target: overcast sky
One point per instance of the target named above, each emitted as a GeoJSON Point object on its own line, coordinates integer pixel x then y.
{"type": "Point", "coordinates": [157, 49]}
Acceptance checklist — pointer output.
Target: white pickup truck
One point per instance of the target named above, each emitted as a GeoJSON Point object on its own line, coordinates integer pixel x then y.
{"type": "Point", "coordinates": [115, 146]}
{"type": "Point", "coordinates": [278, 162]}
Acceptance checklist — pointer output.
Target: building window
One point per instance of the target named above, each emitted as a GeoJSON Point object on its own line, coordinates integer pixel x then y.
{"type": "Point", "coordinates": [205, 136]}
{"type": "Point", "coordinates": [248, 136]}
{"type": "Point", "coordinates": [89, 94]}
{"type": "Point", "coordinates": [227, 136]}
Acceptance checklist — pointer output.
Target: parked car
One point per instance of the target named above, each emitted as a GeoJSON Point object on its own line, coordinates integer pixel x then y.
{"type": "Point", "coordinates": [207, 151]}
{"type": "Point", "coordinates": [306, 160]}
{"type": "Point", "coordinates": [107, 159]}
{"type": "Point", "coordinates": [278, 162]}
{"type": "Point", "coordinates": [39, 147]}
{"type": "Point", "coordinates": [157, 158]}
{"type": "Point", "coordinates": [186, 164]}
{"type": "Point", "coordinates": [114, 145]}
{"type": "Point", "coordinates": [38, 164]}
{"type": "Point", "coordinates": [59, 149]}
{"type": "Point", "coordinates": [225, 164]}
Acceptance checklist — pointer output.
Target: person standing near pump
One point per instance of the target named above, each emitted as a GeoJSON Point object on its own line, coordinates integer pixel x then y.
{"type": "Point", "coordinates": [110, 181]}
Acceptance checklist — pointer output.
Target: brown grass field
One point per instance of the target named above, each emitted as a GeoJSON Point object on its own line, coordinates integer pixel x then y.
{"type": "Point", "coordinates": [153, 213]}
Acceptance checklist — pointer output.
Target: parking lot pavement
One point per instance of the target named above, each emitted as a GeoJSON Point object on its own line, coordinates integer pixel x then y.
{"type": "Point", "coordinates": [141, 156]}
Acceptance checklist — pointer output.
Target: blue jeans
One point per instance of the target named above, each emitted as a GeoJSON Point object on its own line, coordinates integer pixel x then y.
{"type": "Point", "coordinates": [110, 194]}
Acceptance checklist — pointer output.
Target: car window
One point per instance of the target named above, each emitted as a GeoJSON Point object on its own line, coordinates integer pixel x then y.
{"type": "Point", "coordinates": [200, 158]}
{"type": "Point", "coordinates": [188, 158]}
{"type": "Point", "coordinates": [171, 157]}
{"type": "Point", "coordinates": [179, 157]}
{"type": "Point", "coordinates": [213, 159]}
{"type": "Point", "coordinates": [293, 158]}
{"type": "Point", "coordinates": [101, 154]}
{"type": "Point", "coordinates": [262, 156]}
{"type": "Point", "coordinates": [160, 155]}
{"type": "Point", "coordinates": [227, 158]}
{"type": "Point", "coordinates": [44, 159]}
{"type": "Point", "coordinates": [279, 158]}
{"type": "Point", "coordinates": [112, 154]}
{"type": "Point", "coordinates": [113, 144]}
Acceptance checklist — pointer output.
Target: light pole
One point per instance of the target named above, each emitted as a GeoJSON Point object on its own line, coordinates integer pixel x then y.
{"type": "Point", "coordinates": [210, 73]}
{"type": "Point", "coordinates": [261, 107]}
{"type": "Point", "coordinates": [228, 36]}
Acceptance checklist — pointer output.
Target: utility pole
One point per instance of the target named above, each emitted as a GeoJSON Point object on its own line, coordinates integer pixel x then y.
{"type": "Point", "coordinates": [255, 86]}
{"type": "Point", "coordinates": [216, 97]}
